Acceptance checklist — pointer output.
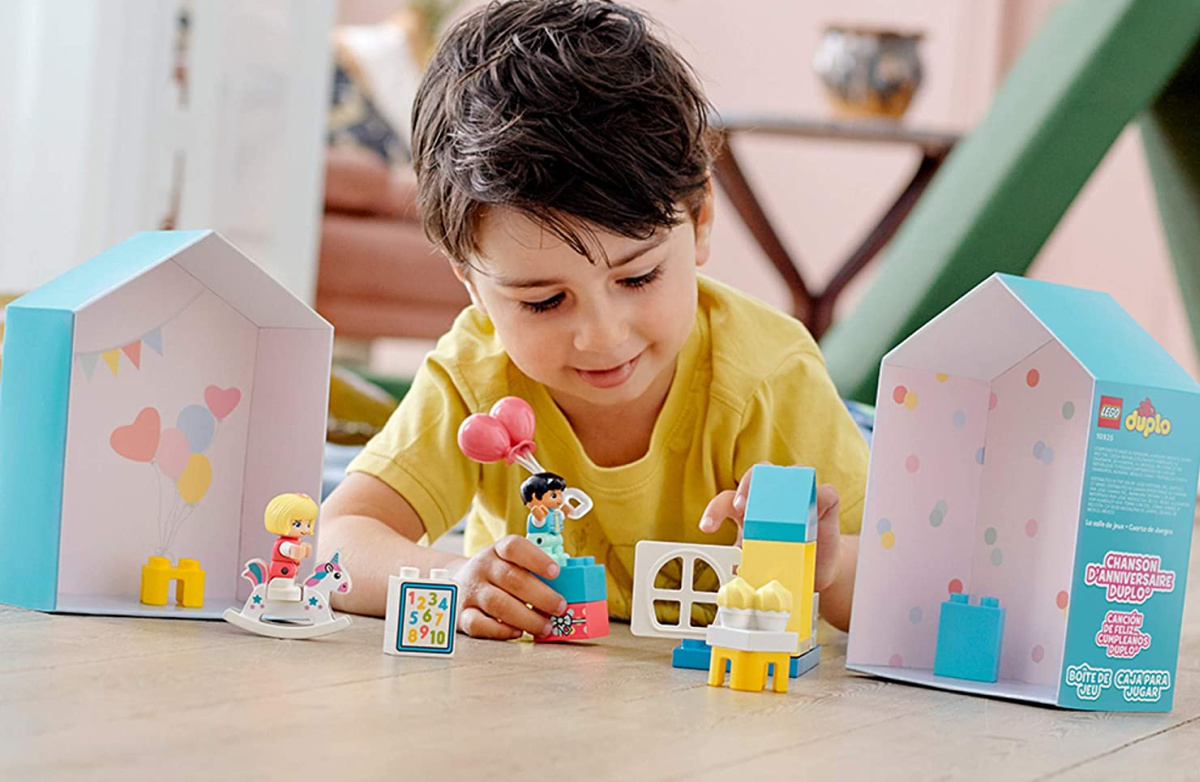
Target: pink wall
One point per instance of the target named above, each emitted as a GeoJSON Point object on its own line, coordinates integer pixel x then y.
{"type": "Point", "coordinates": [756, 56]}
{"type": "Point", "coordinates": [822, 196]}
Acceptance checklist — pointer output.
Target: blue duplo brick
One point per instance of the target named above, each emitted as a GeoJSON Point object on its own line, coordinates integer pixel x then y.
{"type": "Point", "coordinates": [697, 655]}
{"type": "Point", "coordinates": [580, 581]}
{"type": "Point", "coordinates": [691, 653]}
{"type": "Point", "coordinates": [969, 638]}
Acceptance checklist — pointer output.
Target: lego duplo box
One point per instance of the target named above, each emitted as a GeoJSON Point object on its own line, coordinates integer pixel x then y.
{"type": "Point", "coordinates": [1033, 444]}
{"type": "Point", "coordinates": [152, 401]}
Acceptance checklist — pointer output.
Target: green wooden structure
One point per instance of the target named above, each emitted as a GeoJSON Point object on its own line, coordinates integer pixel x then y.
{"type": "Point", "coordinates": [1094, 67]}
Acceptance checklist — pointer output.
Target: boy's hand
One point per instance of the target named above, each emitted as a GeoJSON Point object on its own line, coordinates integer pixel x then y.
{"type": "Point", "coordinates": [732, 505]}
{"type": "Point", "coordinates": [498, 587]}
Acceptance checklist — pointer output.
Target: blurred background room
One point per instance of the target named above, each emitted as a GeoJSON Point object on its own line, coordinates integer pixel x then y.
{"type": "Point", "coordinates": [284, 126]}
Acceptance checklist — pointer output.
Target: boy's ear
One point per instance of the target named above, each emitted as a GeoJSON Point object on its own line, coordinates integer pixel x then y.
{"type": "Point", "coordinates": [703, 225]}
{"type": "Point", "coordinates": [463, 273]}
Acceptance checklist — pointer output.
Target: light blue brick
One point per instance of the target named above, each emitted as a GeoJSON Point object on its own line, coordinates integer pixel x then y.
{"type": "Point", "coordinates": [782, 505]}
{"type": "Point", "coordinates": [692, 653]}
{"type": "Point", "coordinates": [804, 663]}
{"type": "Point", "coordinates": [969, 639]}
{"type": "Point", "coordinates": [777, 531]}
{"type": "Point", "coordinates": [697, 655]}
{"type": "Point", "coordinates": [580, 581]}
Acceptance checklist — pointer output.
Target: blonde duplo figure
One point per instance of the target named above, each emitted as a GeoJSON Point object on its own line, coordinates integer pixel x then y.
{"type": "Point", "coordinates": [291, 517]}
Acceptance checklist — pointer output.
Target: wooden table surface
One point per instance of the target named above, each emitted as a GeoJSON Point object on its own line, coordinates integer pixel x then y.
{"type": "Point", "coordinates": [108, 698]}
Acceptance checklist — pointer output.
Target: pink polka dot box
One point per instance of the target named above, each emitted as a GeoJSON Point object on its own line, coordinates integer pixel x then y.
{"type": "Point", "coordinates": [1036, 454]}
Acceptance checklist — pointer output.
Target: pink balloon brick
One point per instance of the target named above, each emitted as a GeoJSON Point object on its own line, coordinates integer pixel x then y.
{"type": "Point", "coordinates": [517, 417]}
{"type": "Point", "coordinates": [221, 401]}
{"type": "Point", "coordinates": [138, 441]}
{"type": "Point", "coordinates": [483, 438]}
{"type": "Point", "coordinates": [504, 433]}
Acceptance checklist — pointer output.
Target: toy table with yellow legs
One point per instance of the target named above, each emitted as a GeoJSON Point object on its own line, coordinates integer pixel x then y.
{"type": "Point", "coordinates": [749, 636]}
{"type": "Point", "coordinates": [748, 670]}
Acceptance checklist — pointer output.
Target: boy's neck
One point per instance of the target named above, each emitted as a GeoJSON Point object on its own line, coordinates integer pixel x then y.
{"type": "Point", "coordinates": [618, 434]}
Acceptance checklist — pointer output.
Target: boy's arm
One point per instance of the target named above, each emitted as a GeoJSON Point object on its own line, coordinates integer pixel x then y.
{"type": "Point", "coordinates": [377, 531]}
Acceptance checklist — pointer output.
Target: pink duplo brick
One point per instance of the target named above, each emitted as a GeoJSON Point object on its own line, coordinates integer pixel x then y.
{"type": "Point", "coordinates": [581, 622]}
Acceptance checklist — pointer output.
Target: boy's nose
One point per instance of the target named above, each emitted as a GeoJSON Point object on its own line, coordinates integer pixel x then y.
{"type": "Point", "coordinates": [601, 333]}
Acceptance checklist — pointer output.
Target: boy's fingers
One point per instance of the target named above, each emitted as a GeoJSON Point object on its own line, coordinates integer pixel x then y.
{"type": "Point", "coordinates": [521, 584]}
{"type": "Point", "coordinates": [827, 499]}
{"type": "Point", "coordinates": [477, 624]}
{"type": "Point", "coordinates": [743, 493]}
{"type": "Point", "coordinates": [829, 536]}
{"type": "Point", "coordinates": [500, 605]}
{"type": "Point", "coordinates": [719, 508]}
{"type": "Point", "coordinates": [522, 553]}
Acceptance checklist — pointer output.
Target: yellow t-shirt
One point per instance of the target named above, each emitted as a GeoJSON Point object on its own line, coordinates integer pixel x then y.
{"type": "Point", "coordinates": [750, 386]}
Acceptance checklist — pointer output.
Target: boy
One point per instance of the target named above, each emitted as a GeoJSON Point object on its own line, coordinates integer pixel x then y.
{"type": "Point", "coordinates": [562, 155]}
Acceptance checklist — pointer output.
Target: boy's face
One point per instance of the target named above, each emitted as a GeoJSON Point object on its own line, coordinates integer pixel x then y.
{"type": "Point", "coordinates": [596, 334]}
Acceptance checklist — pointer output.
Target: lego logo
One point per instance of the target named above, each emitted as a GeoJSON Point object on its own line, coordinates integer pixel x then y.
{"type": "Point", "coordinates": [1110, 412]}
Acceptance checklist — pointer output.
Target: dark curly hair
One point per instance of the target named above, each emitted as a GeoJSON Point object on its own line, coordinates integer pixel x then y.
{"type": "Point", "coordinates": [569, 111]}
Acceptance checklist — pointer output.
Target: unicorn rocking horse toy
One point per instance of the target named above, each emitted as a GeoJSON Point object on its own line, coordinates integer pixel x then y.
{"type": "Point", "coordinates": [277, 607]}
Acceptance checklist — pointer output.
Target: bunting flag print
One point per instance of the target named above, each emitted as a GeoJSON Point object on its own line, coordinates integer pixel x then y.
{"type": "Point", "coordinates": [153, 339]}
{"type": "Point", "coordinates": [87, 362]}
{"type": "Point", "coordinates": [113, 359]}
{"type": "Point", "coordinates": [134, 351]}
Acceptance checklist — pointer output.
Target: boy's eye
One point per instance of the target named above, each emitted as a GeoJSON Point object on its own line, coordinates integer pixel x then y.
{"type": "Point", "coordinates": [545, 305]}
{"type": "Point", "coordinates": [643, 280]}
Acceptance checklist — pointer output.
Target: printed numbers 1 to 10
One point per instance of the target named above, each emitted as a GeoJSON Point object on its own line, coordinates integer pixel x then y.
{"type": "Point", "coordinates": [426, 617]}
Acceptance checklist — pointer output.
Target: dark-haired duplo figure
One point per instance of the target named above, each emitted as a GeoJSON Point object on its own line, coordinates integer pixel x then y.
{"type": "Point", "coordinates": [550, 504]}
{"type": "Point", "coordinates": [543, 495]}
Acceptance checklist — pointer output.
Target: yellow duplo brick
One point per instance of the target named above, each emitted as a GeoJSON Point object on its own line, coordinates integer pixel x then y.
{"type": "Point", "coordinates": [805, 605]}
{"type": "Point", "coordinates": [791, 564]}
{"type": "Point", "coordinates": [157, 575]}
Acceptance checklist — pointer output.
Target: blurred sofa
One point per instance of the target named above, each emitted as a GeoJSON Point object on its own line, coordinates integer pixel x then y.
{"type": "Point", "coordinates": [378, 276]}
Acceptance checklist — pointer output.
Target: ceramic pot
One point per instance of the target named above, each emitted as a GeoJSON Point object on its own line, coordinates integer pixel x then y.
{"type": "Point", "coordinates": [868, 73]}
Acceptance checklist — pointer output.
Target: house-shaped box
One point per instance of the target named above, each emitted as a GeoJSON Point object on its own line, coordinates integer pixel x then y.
{"type": "Point", "coordinates": [152, 401]}
{"type": "Point", "coordinates": [1035, 445]}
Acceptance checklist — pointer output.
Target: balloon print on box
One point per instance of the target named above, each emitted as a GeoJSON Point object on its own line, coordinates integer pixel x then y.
{"type": "Point", "coordinates": [178, 458]}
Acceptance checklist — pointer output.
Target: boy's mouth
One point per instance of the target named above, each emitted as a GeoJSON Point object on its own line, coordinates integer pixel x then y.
{"type": "Point", "coordinates": [611, 377]}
